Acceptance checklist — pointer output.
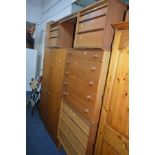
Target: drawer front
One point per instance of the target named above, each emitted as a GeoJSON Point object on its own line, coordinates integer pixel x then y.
{"type": "Point", "coordinates": [92, 39]}
{"type": "Point", "coordinates": [91, 55]}
{"type": "Point", "coordinates": [97, 23]}
{"type": "Point", "coordinates": [82, 69]}
{"type": "Point", "coordinates": [71, 125]}
{"type": "Point", "coordinates": [53, 28]}
{"type": "Point", "coordinates": [65, 143]}
{"type": "Point", "coordinates": [77, 146]}
{"type": "Point", "coordinates": [54, 33]}
{"type": "Point", "coordinates": [86, 97]}
{"type": "Point", "coordinates": [93, 13]}
{"type": "Point", "coordinates": [85, 112]}
{"type": "Point", "coordinates": [84, 126]}
{"type": "Point", "coordinates": [53, 42]}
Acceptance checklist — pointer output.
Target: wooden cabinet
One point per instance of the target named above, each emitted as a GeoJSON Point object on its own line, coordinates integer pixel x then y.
{"type": "Point", "coordinates": [61, 33]}
{"type": "Point", "coordinates": [83, 86]}
{"type": "Point", "coordinates": [113, 132]}
{"type": "Point", "coordinates": [94, 28]}
{"type": "Point", "coordinates": [53, 72]}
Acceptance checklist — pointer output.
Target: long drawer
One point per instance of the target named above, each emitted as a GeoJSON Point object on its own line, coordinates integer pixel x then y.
{"type": "Point", "coordinates": [53, 34]}
{"type": "Point", "coordinates": [90, 25]}
{"type": "Point", "coordinates": [73, 131]}
{"type": "Point", "coordinates": [53, 42]}
{"type": "Point", "coordinates": [93, 13]}
{"type": "Point", "coordinates": [93, 39]}
{"type": "Point", "coordinates": [93, 55]}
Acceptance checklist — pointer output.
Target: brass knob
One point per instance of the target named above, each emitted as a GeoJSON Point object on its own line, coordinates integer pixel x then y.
{"type": "Point", "coordinates": [88, 97]}
{"type": "Point", "coordinates": [95, 56]}
{"type": "Point", "coordinates": [91, 82]}
{"type": "Point", "coordinates": [86, 110]}
{"type": "Point", "coordinates": [93, 68]}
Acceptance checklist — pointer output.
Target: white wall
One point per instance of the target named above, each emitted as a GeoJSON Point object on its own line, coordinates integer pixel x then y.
{"type": "Point", "coordinates": [41, 12]}
{"type": "Point", "coordinates": [31, 60]}
{"type": "Point", "coordinates": [33, 11]}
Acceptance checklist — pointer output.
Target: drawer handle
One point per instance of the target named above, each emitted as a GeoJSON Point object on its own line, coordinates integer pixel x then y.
{"type": "Point", "coordinates": [65, 83]}
{"type": "Point", "coordinates": [68, 62]}
{"type": "Point", "coordinates": [93, 68]}
{"type": "Point", "coordinates": [91, 82]}
{"type": "Point", "coordinates": [65, 93]}
{"type": "Point", "coordinates": [95, 56]}
{"type": "Point", "coordinates": [86, 110]}
{"type": "Point", "coordinates": [88, 97]}
{"type": "Point", "coordinates": [66, 73]}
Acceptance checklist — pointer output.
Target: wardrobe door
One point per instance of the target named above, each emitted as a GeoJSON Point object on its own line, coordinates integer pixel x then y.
{"type": "Point", "coordinates": [113, 136]}
{"type": "Point", "coordinates": [58, 57]}
{"type": "Point", "coordinates": [45, 85]}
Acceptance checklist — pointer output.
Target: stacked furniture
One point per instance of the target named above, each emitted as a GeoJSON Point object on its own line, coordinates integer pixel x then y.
{"type": "Point", "coordinates": [113, 132]}
{"type": "Point", "coordinates": [85, 75]}
{"type": "Point", "coordinates": [74, 100]}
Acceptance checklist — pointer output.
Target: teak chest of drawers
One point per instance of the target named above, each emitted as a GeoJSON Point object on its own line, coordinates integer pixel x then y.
{"type": "Point", "coordinates": [93, 29]}
{"type": "Point", "coordinates": [84, 78]}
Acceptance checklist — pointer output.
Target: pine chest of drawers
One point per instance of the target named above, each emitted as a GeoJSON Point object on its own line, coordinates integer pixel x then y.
{"type": "Point", "coordinates": [93, 29]}
{"type": "Point", "coordinates": [84, 78]}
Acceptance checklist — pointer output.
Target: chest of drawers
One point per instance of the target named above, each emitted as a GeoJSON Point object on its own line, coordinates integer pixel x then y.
{"type": "Point", "coordinates": [93, 29]}
{"type": "Point", "coordinates": [83, 85]}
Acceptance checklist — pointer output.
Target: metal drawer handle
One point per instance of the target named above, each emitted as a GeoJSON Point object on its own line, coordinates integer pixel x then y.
{"type": "Point", "coordinates": [88, 97]}
{"type": "Point", "coordinates": [93, 68]}
{"type": "Point", "coordinates": [91, 82]}
{"type": "Point", "coordinates": [95, 56]}
{"type": "Point", "coordinates": [86, 110]}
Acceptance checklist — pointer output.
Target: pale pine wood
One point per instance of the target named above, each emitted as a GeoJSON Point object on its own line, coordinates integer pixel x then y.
{"type": "Point", "coordinates": [53, 72]}
{"type": "Point", "coordinates": [91, 32]}
{"type": "Point", "coordinates": [113, 131]}
{"type": "Point", "coordinates": [82, 125]}
{"type": "Point", "coordinates": [86, 112]}
{"type": "Point", "coordinates": [80, 149]}
{"type": "Point", "coordinates": [80, 135]}
{"type": "Point", "coordinates": [66, 144]}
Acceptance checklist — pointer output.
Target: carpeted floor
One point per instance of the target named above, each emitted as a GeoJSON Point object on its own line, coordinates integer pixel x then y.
{"type": "Point", "coordinates": [38, 141]}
